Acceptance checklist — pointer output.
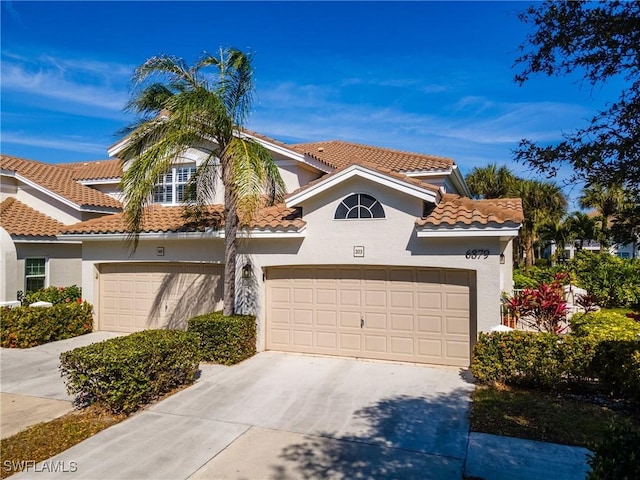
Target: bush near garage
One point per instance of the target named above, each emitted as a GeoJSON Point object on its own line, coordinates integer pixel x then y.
{"type": "Point", "coordinates": [225, 339]}
{"type": "Point", "coordinates": [532, 359]}
{"type": "Point", "coordinates": [550, 361]}
{"type": "Point", "coordinates": [605, 326]}
{"type": "Point", "coordinates": [25, 327]}
{"type": "Point", "coordinates": [53, 295]}
{"type": "Point", "coordinates": [125, 373]}
{"type": "Point", "coordinates": [617, 455]}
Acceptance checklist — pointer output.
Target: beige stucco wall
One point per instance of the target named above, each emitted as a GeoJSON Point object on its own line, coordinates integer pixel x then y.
{"type": "Point", "coordinates": [48, 205]}
{"type": "Point", "coordinates": [391, 241]}
{"type": "Point", "coordinates": [8, 268]}
{"type": "Point", "coordinates": [64, 263]}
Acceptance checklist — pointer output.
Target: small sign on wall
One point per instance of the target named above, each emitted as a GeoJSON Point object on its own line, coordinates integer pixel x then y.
{"type": "Point", "coordinates": [358, 251]}
{"type": "Point", "coordinates": [160, 251]}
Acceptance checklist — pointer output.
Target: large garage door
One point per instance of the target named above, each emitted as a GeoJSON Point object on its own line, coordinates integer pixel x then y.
{"type": "Point", "coordinates": [137, 296]}
{"type": "Point", "coordinates": [406, 314]}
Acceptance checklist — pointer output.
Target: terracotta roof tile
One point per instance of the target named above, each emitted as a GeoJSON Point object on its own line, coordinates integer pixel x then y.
{"type": "Point", "coordinates": [337, 154]}
{"type": "Point", "coordinates": [158, 219]}
{"type": "Point", "coordinates": [21, 220]}
{"type": "Point", "coordinates": [95, 170]}
{"type": "Point", "coordinates": [59, 180]}
{"type": "Point", "coordinates": [453, 210]}
{"type": "Point", "coordinates": [377, 168]}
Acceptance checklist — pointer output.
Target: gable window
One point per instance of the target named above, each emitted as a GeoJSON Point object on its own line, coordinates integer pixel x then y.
{"type": "Point", "coordinates": [359, 205]}
{"type": "Point", "coordinates": [172, 187]}
{"type": "Point", "coordinates": [34, 274]}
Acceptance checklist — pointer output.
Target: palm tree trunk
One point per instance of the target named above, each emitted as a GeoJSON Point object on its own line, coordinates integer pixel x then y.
{"type": "Point", "coordinates": [230, 246]}
{"type": "Point", "coordinates": [529, 251]}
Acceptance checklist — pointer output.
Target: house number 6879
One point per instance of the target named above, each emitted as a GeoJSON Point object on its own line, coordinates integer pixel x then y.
{"type": "Point", "coordinates": [477, 254]}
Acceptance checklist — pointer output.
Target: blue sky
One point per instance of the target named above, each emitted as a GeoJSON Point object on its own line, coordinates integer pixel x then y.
{"type": "Point", "coordinates": [429, 77]}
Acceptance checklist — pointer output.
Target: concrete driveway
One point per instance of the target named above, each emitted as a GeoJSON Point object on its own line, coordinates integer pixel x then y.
{"type": "Point", "coordinates": [287, 416]}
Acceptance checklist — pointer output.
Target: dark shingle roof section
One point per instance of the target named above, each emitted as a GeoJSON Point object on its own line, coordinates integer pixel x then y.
{"type": "Point", "coordinates": [453, 210]}
{"type": "Point", "coordinates": [21, 220]}
{"type": "Point", "coordinates": [59, 180]}
{"type": "Point", "coordinates": [338, 154]}
{"type": "Point", "coordinates": [158, 219]}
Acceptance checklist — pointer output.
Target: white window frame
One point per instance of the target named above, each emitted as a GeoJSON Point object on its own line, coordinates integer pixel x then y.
{"type": "Point", "coordinates": [46, 271]}
{"type": "Point", "coordinates": [174, 184]}
{"type": "Point", "coordinates": [359, 205]}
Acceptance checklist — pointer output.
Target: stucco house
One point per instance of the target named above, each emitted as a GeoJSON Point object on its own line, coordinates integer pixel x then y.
{"type": "Point", "coordinates": [375, 253]}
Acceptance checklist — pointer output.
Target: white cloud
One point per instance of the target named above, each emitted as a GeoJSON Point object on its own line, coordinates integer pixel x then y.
{"type": "Point", "coordinates": [75, 144]}
{"type": "Point", "coordinates": [88, 83]}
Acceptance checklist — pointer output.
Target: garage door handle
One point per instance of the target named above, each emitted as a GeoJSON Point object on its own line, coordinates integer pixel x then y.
{"type": "Point", "coordinates": [361, 322]}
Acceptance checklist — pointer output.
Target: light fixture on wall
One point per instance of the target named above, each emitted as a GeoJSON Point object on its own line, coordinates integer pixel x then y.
{"type": "Point", "coordinates": [502, 259]}
{"type": "Point", "coordinates": [246, 270]}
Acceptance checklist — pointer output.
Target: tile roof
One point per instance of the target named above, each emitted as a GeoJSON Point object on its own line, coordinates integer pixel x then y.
{"type": "Point", "coordinates": [59, 180]}
{"type": "Point", "coordinates": [158, 219]}
{"type": "Point", "coordinates": [95, 170]}
{"type": "Point", "coordinates": [338, 154]}
{"type": "Point", "coordinates": [385, 171]}
{"type": "Point", "coordinates": [453, 210]}
{"type": "Point", "coordinates": [21, 220]}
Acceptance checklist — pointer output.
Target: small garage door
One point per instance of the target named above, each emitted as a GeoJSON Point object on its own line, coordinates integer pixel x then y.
{"type": "Point", "coordinates": [137, 296]}
{"type": "Point", "coordinates": [405, 314]}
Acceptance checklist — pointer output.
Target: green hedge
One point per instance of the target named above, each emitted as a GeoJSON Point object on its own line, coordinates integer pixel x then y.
{"type": "Point", "coordinates": [25, 327]}
{"type": "Point", "coordinates": [551, 361]}
{"type": "Point", "coordinates": [53, 295]}
{"type": "Point", "coordinates": [605, 326]}
{"type": "Point", "coordinates": [226, 340]}
{"type": "Point", "coordinates": [125, 373]}
{"type": "Point", "coordinates": [617, 455]}
{"type": "Point", "coordinates": [532, 359]}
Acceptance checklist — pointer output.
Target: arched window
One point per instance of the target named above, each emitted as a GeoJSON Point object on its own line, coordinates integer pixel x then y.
{"type": "Point", "coordinates": [359, 205]}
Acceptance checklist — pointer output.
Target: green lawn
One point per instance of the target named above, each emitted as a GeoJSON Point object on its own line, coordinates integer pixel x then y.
{"type": "Point", "coordinates": [547, 417]}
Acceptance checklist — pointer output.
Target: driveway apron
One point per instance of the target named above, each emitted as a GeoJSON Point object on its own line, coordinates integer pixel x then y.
{"type": "Point", "coordinates": [288, 416]}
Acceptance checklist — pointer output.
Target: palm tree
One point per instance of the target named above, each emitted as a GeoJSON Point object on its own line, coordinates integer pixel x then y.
{"type": "Point", "coordinates": [186, 107]}
{"type": "Point", "coordinates": [491, 181]}
{"type": "Point", "coordinates": [608, 202]}
{"type": "Point", "coordinates": [557, 233]}
{"type": "Point", "coordinates": [582, 227]}
{"type": "Point", "coordinates": [542, 202]}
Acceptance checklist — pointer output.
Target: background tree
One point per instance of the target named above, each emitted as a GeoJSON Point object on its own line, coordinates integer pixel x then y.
{"type": "Point", "coordinates": [607, 201]}
{"type": "Point", "coordinates": [602, 41]}
{"type": "Point", "coordinates": [492, 181]}
{"type": "Point", "coordinates": [542, 203]}
{"type": "Point", "coordinates": [582, 227]}
{"type": "Point", "coordinates": [203, 106]}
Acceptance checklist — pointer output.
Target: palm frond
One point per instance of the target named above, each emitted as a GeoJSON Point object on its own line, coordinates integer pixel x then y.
{"type": "Point", "coordinates": [151, 99]}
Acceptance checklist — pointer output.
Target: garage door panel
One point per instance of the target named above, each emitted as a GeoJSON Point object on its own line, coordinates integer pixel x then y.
{"type": "Point", "coordinates": [302, 317]}
{"type": "Point", "coordinates": [402, 345]}
{"type": "Point", "coordinates": [327, 318]}
{"type": "Point", "coordinates": [349, 342]}
{"type": "Point", "coordinates": [327, 340]}
{"type": "Point", "coordinates": [137, 296]}
{"type": "Point", "coordinates": [410, 314]}
{"type": "Point", "coordinates": [430, 324]}
{"type": "Point", "coordinates": [401, 323]}
{"type": "Point", "coordinates": [280, 337]}
{"type": "Point", "coordinates": [350, 298]}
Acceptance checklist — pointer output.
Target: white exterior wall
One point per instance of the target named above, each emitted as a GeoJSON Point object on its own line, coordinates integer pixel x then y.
{"type": "Point", "coordinates": [43, 203]}
{"type": "Point", "coordinates": [8, 268]}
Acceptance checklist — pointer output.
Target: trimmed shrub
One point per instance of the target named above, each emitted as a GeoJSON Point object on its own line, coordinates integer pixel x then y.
{"type": "Point", "coordinates": [617, 455]}
{"type": "Point", "coordinates": [605, 326]}
{"type": "Point", "coordinates": [226, 340]}
{"type": "Point", "coordinates": [25, 327]}
{"type": "Point", "coordinates": [54, 295]}
{"type": "Point", "coordinates": [531, 359]}
{"type": "Point", "coordinates": [550, 361]}
{"type": "Point", "coordinates": [125, 373]}
{"type": "Point", "coordinates": [617, 365]}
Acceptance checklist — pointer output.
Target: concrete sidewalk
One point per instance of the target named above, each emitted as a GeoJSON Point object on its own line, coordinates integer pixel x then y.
{"type": "Point", "coordinates": [287, 416]}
